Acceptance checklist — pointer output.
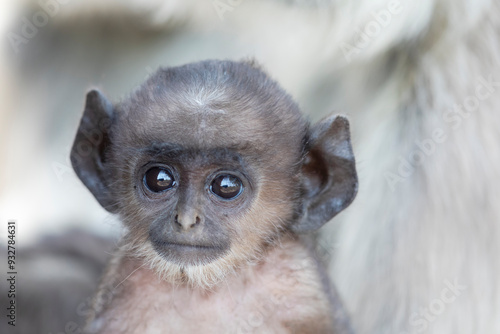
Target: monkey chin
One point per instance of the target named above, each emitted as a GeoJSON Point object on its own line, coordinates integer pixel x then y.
{"type": "Point", "coordinates": [204, 275]}
{"type": "Point", "coordinates": [187, 254]}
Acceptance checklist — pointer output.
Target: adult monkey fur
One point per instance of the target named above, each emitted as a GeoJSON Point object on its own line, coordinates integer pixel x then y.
{"type": "Point", "coordinates": [215, 173]}
{"type": "Point", "coordinates": [434, 70]}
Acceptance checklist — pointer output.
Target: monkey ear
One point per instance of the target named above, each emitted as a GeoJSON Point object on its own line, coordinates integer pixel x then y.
{"type": "Point", "coordinates": [329, 173]}
{"type": "Point", "coordinates": [91, 141]}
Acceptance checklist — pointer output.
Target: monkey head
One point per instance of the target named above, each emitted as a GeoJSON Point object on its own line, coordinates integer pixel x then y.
{"type": "Point", "coordinates": [208, 164]}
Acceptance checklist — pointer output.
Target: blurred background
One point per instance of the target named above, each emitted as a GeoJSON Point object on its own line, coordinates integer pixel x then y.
{"type": "Point", "coordinates": [418, 80]}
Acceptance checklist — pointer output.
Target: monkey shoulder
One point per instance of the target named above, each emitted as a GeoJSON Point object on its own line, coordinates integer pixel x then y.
{"type": "Point", "coordinates": [290, 284]}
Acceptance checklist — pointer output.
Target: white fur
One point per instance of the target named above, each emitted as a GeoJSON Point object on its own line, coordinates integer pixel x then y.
{"type": "Point", "coordinates": [397, 248]}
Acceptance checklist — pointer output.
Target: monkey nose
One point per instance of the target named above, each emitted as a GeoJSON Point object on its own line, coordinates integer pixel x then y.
{"type": "Point", "coordinates": [187, 221]}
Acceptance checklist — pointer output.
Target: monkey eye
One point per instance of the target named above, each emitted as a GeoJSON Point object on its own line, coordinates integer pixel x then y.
{"type": "Point", "coordinates": [226, 186]}
{"type": "Point", "coordinates": [158, 179]}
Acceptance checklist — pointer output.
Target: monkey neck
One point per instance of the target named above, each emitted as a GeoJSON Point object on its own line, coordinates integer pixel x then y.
{"type": "Point", "coordinates": [286, 285]}
{"type": "Point", "coordinates": [289, 260]}
{"type": "Point", "coordinates": [289, 254]}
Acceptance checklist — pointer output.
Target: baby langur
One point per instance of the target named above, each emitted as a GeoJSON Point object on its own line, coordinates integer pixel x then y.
{"type": "Point", "coordinates": [219, 182]}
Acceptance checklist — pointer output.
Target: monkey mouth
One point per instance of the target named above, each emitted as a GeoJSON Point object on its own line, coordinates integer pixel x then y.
{"type": "Point", "coordinates": [187, 254]}
{"type": "Point", "coordinates": [187, 246]}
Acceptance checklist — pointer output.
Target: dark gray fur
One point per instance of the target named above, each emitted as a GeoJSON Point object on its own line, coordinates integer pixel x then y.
{"type": "Point", "coordinates": [115, 134]}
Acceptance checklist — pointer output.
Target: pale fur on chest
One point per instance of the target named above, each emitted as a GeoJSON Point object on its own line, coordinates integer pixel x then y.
{"type": "Point", "coordinates": [284, 294]}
